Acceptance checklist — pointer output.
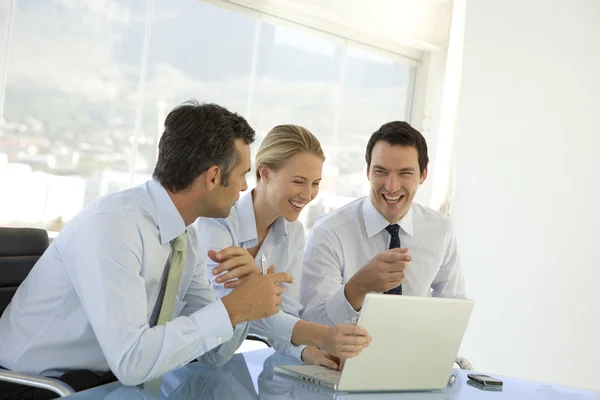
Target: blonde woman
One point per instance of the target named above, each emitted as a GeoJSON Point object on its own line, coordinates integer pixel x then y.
{"type": "Point", "coordinates": [263, 229]}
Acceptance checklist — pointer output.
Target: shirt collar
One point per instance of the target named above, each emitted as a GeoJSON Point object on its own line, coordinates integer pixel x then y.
{"type": "Point", "coordinates": [247, 221]}
{"type": "Point", "coordinates": [406, 223]}
{"type": "Point", "coordinates": [280, 229]}
{"type": "Point", "coordinates": [170, 222]}
{"type": "Point", "coordinates": [375, 222]}
{"type": "Point", "coordinates": [246, 218]}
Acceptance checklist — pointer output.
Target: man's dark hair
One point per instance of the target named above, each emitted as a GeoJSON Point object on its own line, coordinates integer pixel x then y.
{"type": "Point", "coordinates": [196, 137]}
{"type": "Point", "coordinates": [402, 134]}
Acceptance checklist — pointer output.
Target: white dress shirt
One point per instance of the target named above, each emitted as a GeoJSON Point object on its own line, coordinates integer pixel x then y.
{"type": "Point", "coordinates": [87, 302]}
{"type": "Point", "coordinates": [283, 247]}
{"type": "Point", "coordinates": [343, 241]}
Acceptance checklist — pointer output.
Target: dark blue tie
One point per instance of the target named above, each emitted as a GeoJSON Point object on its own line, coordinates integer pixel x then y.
{"type": "Point", "coordinates": [394, 244]}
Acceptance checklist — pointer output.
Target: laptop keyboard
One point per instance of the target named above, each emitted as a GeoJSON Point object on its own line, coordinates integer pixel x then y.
{"type": "Point", "coordinates": [323, 373]}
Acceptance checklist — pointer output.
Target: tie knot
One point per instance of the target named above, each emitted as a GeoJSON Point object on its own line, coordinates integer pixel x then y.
{"type": "Point", "coordinates": [180, 243]}
{"type": "Point", "coordinates": [393, 229]}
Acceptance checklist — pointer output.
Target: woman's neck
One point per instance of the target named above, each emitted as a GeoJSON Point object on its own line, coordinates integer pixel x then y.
{"type": "Point", "coordinates": [263, 212]}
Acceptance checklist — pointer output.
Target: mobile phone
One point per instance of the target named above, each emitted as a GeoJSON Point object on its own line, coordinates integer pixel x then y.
{"type": "Point", "coordinates": [485, 380]}
{"type": "Point", "coordinates": [484, 388]}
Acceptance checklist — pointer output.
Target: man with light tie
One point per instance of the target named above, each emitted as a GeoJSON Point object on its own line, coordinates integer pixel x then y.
{"type": "Point", "coordinates": [123, 289]}
{"type": "Point", "coordinates": [382, 242]}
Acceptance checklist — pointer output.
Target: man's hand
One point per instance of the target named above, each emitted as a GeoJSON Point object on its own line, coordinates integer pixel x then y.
{"type": "Point", "coordinates": [346, 341]}
{"type": "Point", "coordinates": [256, 297]}
{"type": "Point", "coordinates": [314, 356]}
{"type": "Point", "coordinates": [236, 264]}
{"type": "Point", "coordinates": [385, 271]}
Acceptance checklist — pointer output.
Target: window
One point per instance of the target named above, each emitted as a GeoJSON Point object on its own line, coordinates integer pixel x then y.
{"type": "Point", "coordinates": [88, 86]}
{"type": "Point", "coordinates": [72, 71]}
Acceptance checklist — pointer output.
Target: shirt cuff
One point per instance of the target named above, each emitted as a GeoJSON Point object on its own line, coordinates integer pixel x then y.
{"type": "Point", "coordinates": [240, 332]}
{"type": "Point", "coordinates": [339, 310]}
{"type": "Point", "coordinates": [214, 324]}
{"type": "Point", "coordinates": [284, 324]}
{"type": "Point", "coordinates": [294, 352]}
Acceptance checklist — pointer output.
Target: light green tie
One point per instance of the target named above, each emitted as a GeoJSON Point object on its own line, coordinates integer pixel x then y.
{"type": "Point", "coordinates": [179, 246]}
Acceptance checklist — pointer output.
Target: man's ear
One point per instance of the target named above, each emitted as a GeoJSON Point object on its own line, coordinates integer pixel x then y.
{"type": "Point", "coordinates": [212, 177]}
{"type": "Point", "coordinates": [424, 175]}
{"type": "Point", "coordinates": [264, 172]}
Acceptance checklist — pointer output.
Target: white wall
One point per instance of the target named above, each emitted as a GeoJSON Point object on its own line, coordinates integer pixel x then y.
{"type": "Point", "coordinates": [527, 202]}
{"type": "Point", "coordinates": [419, 24]}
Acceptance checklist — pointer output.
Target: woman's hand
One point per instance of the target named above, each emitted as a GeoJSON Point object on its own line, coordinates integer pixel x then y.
{"type": "Point", "coordinates": [314, 356]}
{"type": "Point", "coordinates": [346, 341]}
{"type": "Point", "coordinates": [235, 264]}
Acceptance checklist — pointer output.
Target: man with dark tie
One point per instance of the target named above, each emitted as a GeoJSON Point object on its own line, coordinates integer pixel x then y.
{"type": "Point", "coordinates": [383, 242]}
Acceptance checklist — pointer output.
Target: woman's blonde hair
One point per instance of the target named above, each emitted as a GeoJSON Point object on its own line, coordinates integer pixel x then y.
{"type": "Point", "coordinates": [283, 142]}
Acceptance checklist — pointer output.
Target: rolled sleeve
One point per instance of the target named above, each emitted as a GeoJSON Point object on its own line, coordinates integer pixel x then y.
{"type": "Point", "coordinates": [294, 352]}
{"type": "Point", "coordinates": [339, 310]}
{"type": "Point", "coordinates": [278, 327]}
{"type": "Point", "coordinates": [283, 324]}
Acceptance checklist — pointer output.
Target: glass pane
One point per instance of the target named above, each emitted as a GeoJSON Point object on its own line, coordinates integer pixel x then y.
{"type": "Point", "coordinates": [294, 82]}
{"type": "Point", "coordinates": [73, 87]}
{"type": "Point", "coordinates": [71, 92]}
{"type": "Point", "coordinates": [199, 52]}
{"type": "Point", "coordinates": [375, 90]}
{"type": "Point", "coordinates": [296, 77]}
{"type": "Point", "coordinates": [4, 17]}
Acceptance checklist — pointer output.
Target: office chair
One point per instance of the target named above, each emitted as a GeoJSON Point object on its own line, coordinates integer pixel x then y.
{"type": "Point", "coordinates": [253, 342]}
{"type": "Point", "coordinates": [258, 338]}
{"type": "Point", "coordinates": [20, 248]}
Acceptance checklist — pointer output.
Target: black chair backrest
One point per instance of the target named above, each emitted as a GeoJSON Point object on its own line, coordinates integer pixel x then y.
{"type": "Point", "coordinates": [20, 248]}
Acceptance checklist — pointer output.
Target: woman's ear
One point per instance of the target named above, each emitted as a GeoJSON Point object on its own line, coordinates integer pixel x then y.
{"type": "Point", "coordinates": [264, 172]}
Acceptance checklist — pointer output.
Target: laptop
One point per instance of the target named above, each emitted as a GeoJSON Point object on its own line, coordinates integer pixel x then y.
{"type": "Point", "coordinates": [414, 346]}
{"type": "Point", "coordinates": [297, 389]}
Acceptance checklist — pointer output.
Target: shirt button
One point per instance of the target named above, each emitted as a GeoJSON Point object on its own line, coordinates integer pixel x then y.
{"type": "Point", "coordinates": [219, 339]}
